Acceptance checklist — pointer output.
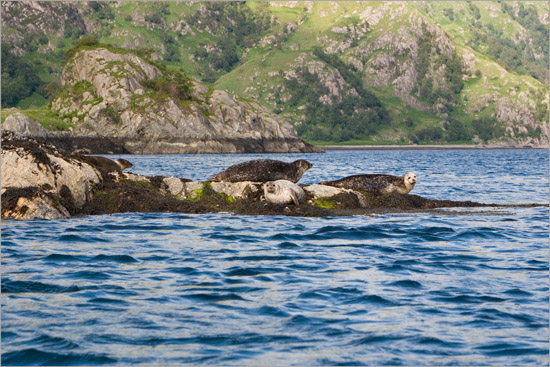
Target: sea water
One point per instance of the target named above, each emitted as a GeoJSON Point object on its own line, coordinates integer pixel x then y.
{"type": "Point", "coordinates": [456, 287]}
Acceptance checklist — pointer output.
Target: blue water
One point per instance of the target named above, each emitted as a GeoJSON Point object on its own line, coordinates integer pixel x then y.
{"type": "Point", "coordinates": [461, 287]}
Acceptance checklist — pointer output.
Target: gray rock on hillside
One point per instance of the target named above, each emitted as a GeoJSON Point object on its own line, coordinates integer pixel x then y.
{"type": "Point", "coordinates": [21, 124]}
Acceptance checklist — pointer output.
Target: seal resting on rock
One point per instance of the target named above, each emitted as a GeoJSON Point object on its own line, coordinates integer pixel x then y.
{"type": "Point", "coordinates": [382, 184]}
{"type": "Point", "coordinates": [283, 192]}
{"type": "Point", "coordinates": [263, 170]}
{"type": "Point", "coordinates": [105, 164]}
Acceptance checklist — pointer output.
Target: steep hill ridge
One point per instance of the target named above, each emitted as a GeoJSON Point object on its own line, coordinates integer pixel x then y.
{"type": "Point", "coordinates": [379, 72]}
{"type": "Point", "coordinates": [112, 93]}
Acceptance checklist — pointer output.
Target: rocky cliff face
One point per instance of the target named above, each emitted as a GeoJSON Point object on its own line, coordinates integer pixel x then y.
{"type": "Point", "coordinates": [107, 98]}
{"type": "Point", "coordinates": [32, 19]}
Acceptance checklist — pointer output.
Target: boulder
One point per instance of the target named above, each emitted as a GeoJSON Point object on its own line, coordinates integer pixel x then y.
{"type": "Point", "coordinates": [21, 124]}
{"type": "Point", "coordinates": [45, 176]}
{"type": "Point", "coordinates": [31, 203]}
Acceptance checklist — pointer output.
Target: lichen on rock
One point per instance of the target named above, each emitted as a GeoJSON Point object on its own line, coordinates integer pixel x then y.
{"type": "Point", "coordinates": [131, 99]}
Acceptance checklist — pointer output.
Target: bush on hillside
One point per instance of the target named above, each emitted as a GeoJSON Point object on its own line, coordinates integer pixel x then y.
{"type": "Point", "coordinates": [88, 40]}
{"type": "Point", "coordinates": [173, 83]}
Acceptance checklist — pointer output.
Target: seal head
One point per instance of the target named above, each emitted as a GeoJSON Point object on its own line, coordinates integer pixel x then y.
{"type": "Point", "coordinates": [301, 166]}
{"type": "Point", "coordinates": [409, 180]}
{"type": "Point", "coordinates": [123, 163]}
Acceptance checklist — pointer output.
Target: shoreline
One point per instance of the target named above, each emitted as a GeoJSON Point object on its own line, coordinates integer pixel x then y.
{"type": "Point", "coordinates": [425, 147]}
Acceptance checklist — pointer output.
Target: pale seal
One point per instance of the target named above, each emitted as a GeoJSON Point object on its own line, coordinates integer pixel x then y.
{"type": "Point", "coordinates": [263, 170]}
{"type": "Point", "coordinates": [105, 164]}
{"type": "Point", "coordinates": [283, 192]}
{"type": "Point", "coordinates": [377, 183]}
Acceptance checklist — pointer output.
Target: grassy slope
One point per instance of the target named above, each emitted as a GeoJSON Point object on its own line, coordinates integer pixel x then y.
{"type": "Point", "coordinates": [319, 24]}
{"type": "Point", "coordinates": [261, 61]}
{"type": "Point", "coordinates": [47, 118]}
{"type": "Point", "coordinates": [497, 80]}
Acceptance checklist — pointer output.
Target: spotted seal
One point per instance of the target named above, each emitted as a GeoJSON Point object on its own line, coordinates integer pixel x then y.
{"type": "Point", "coordinates": [263, 170]}
{"type": "Point", "coordinates": [377, 183]}
{"type": "Point", "coordinates": [283, 192]}
{"type": "Point", "coordinates": [105, 164]}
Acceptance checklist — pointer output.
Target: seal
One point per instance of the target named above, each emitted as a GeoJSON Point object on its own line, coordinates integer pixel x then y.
{"type": "Point", "coordinates": [283, 192]}
{"type": "Point", "coordinates": [376, 183]}
{"type": "Point", "coordinates": [105, 164]}
{"type": "Point", "coordinates": [263, 170]}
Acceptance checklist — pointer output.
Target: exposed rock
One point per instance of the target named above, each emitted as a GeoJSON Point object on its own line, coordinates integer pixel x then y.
{"type": "Point", "coordinates": [511, 110]}
{"type": "Point", "coordinates": [28, 164]}
{"type": "Point", "coordinates": [318, 191]}
{"type": "Point", "coordinates": [40, 182]}
{"type": "Point", "coordinates": [31, 203]}
{"type": "Point", "coordinates": [21, 124]}
{"type": "Point", "coordinates": [118, 105]}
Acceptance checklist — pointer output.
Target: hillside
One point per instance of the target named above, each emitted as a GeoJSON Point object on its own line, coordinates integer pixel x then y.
{"type": "Point", "coordinates": [367, 72]}
{"type": "Point", "coordinates": [121, 98]}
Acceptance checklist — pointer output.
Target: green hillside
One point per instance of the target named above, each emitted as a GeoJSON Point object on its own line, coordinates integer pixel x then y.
{"type": "Point", "coordinates": [361, 72]}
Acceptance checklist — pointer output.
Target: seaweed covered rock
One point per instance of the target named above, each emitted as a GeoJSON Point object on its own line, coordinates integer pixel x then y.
{"type": "Point", "coordinates": [31, 203]}
{"type": "Point", "coordinates": [35, 172]}
{"type": "Point", "coordinates": [39, 181]}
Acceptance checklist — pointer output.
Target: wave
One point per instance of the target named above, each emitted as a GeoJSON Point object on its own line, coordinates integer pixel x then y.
{"type": "Point", "coordinates": [33, 356]}
{"type": "Point", "coordinates": [19, 286]}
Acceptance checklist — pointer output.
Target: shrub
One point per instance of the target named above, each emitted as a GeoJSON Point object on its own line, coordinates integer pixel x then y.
{"type": "Point", "coordinates": [173, 83]}
{"type": "Point", "coordinates": [429, 134]}
{"type": "Point", "coordinates": [488, 128]}
{"type": "Point", "coordinates": [112, 114]}
{"type": "Point", "coordinates": [88, 40]}
{"type": "Point", "coordinates": [458, 131]}
{"type": "Point", "coordinates": [19, 78]}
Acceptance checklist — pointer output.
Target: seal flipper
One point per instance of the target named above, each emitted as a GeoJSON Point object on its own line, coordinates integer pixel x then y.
{"type": "Point", "coordinates": [294, 197]}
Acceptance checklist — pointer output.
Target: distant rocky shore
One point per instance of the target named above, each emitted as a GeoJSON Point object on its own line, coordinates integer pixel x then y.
{"type": "Point", "coordinates": [119, 102]}
{"type": "Point", "coordinates": [41, 181]}
{"type": "Point", "coordinates": [96, 144]}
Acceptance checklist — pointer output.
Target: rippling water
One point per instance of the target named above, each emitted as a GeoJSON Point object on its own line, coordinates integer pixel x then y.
{"type": "Point", "coordinates": [467, 287]}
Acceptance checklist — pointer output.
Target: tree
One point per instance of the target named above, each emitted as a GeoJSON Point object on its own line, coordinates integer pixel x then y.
{"type": "Point", "coordinates": [19, 79]}
{"type": "Point", "coordinates": [457, 131]}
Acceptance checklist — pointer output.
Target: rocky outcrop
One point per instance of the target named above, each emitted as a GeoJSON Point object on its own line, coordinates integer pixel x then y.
{"type": "Point", "coordinates": [21, 124]}
{"type": "Point", "coordinates": [38, 181]}
{"type": "Point", "coordinates": [110, 99]}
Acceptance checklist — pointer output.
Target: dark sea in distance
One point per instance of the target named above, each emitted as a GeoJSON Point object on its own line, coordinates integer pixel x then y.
{"type": "Point", "coordinates": [457, 287]}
